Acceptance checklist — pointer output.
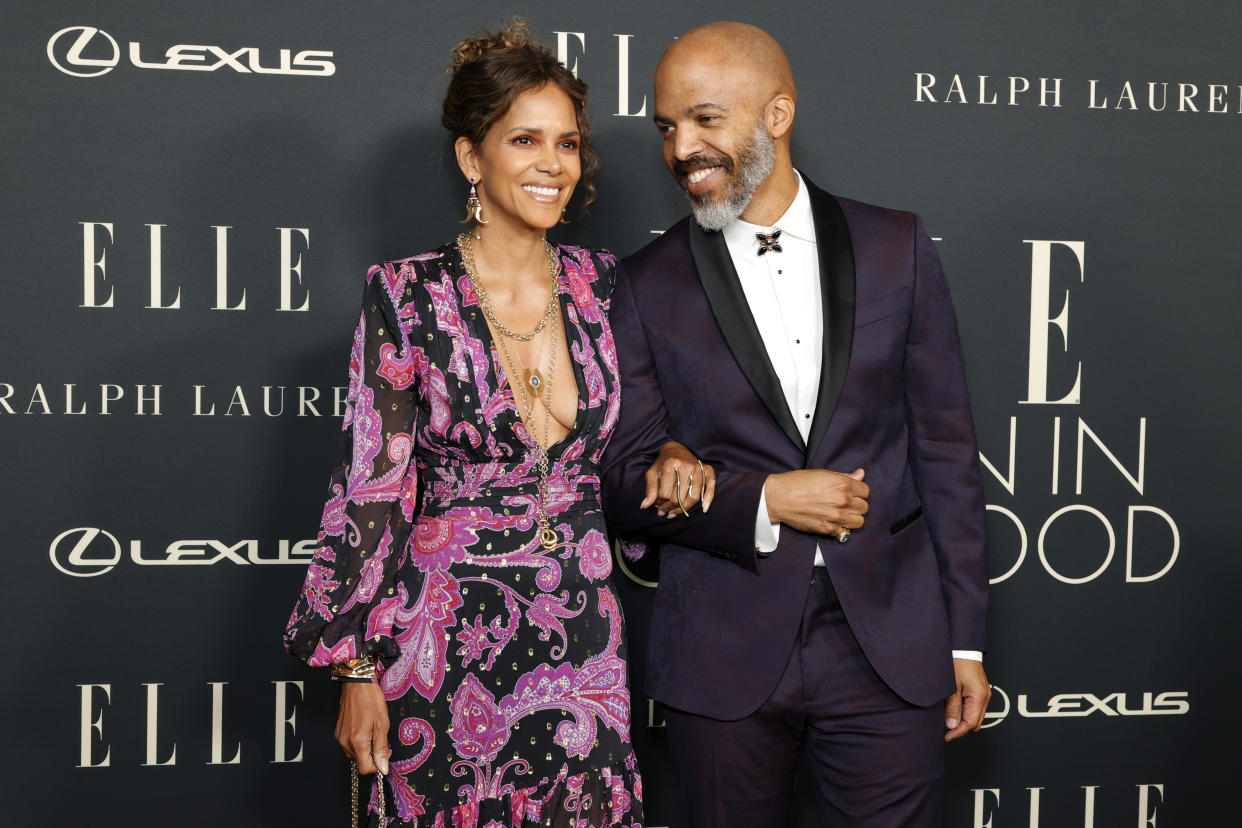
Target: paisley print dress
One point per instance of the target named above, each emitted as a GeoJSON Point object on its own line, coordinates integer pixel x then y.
{"type": "Point", "coordinates": [503, 662]}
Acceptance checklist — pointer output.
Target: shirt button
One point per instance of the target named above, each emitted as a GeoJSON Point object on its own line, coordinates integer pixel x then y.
{"type": "Point", "coordinates": [807, 416]}
{"type": "Point", "coordinates": [797, 341]}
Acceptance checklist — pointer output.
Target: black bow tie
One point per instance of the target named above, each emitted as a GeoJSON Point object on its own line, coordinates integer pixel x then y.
{"type": "Point", "coordinates": [769, 242]}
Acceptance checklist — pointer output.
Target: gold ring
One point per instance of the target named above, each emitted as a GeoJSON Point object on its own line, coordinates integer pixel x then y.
{"type": "Point", "coordinates": [843, 535]}
{"type": "Point", "coordinates": [677, 489]}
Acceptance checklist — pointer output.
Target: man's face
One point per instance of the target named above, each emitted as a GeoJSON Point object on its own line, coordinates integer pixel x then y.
{"type": "Point", "coordinates": [716, 143]}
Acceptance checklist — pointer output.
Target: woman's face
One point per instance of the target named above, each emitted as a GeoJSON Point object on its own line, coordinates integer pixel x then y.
{"type": "Point", "coordinates": [528, 164]}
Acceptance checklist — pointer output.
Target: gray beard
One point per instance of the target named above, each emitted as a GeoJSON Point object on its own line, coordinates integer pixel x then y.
{"type": "Point", "coordinates": [755, 163]}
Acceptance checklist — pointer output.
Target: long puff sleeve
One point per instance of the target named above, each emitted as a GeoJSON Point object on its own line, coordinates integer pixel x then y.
{"type": "Point", "coordinates": [349, 588]}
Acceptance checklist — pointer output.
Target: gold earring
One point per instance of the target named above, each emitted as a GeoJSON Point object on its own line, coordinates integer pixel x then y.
{"type": "Point", "coordinates": [474, 208]}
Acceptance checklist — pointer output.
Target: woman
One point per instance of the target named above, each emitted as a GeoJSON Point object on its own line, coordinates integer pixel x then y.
{"type": "Point", "coordinates": [461, 587]}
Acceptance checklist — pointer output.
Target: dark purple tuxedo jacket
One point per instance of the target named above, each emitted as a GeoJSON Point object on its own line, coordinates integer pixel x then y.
{"type": "Point", "coordinates": [892, 400]}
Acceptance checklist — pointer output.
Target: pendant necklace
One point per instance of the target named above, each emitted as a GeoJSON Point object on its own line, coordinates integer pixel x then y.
{"type": "Point", "coordinates": [533, 380]}
{"type": "Point", "coordinates": [532, 377]}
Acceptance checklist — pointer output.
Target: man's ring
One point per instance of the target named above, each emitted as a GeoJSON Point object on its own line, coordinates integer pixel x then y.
{"type": "Point", "coordinates": [843, 535]}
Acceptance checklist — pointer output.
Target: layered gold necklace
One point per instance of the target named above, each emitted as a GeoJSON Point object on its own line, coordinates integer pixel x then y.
{"type": "Point", "coordinates": [533, 383]}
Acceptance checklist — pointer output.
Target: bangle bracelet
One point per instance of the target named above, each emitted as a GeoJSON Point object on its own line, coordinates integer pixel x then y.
{"type": "Point", "coordinates": [358, 668]}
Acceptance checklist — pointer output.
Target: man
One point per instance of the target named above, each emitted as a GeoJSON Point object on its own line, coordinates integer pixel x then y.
{"type": "Point", "coordinates": [805, 346]}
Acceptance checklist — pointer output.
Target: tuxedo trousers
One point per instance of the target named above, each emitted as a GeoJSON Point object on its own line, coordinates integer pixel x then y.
{"type": "Point", "coordinates": [876, 761]}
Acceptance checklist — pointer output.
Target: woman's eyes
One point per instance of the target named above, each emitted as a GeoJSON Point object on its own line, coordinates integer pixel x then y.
{"type": "Point", "coordinates": [528, 141]}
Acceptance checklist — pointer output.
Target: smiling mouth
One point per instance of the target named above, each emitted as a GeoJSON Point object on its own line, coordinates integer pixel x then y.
{"type": "Point", "coordinates": [542, 192]}
{"type": "Point", "coordinates": [698, 175]}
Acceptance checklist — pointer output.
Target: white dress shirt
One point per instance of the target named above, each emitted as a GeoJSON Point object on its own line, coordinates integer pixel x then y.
{"type": "Point", "coordinates": [784, 294]}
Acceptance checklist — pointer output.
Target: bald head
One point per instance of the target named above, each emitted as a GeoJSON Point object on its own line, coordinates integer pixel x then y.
{"type": "Point", "coordinates": [746, 54]}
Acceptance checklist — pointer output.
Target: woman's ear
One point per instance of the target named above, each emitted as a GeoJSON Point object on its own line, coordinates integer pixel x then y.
{"type": "Point", "coordinates": [467, 158]}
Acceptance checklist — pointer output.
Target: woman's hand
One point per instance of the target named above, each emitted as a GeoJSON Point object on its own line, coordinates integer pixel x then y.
{"type": "Point", "coordinates": [362, 726]}
{"type": "Point", "coordinates": [676, 468]}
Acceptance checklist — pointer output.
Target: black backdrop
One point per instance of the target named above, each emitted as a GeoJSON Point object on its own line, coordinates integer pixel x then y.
{"type": "Point", "coordinates": [165, 449]}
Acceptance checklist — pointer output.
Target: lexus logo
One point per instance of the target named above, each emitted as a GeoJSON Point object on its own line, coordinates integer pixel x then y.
{"type": "Point", "coordinates": [88, 52]}
{"type": "Point", "coordinates": [1080, 705]}
{"type": "Point", "coordinates": [85, 552]}
{"type": "Point", "coordinates": [72, 62]}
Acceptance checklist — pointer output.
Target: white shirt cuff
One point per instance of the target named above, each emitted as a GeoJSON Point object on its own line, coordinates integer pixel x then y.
{"type": "Point", "coordinates": [767, 533]}
{"type": "Point", "coordinates": [969, 655]}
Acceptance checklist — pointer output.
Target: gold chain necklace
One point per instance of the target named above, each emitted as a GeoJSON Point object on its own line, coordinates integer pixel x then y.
{"type": "Point", "coordinates": [466, 246]}
{"type": "Point", "coordinates": [548, 538]}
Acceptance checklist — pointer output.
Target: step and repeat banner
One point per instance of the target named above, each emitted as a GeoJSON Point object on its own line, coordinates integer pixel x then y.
{"type": "Point", "coordinates": [192, 193]}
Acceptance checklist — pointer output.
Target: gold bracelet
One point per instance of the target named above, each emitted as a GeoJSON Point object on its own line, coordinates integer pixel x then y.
{"type": "Point", "coordinates": [358, 668]}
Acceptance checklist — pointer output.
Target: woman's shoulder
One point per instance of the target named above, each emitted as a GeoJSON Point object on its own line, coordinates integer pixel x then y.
{"type": "Point", "coordinates": [595, 267]}
{"type": "Point", "coordinates": [416, 267]}
{"type": "Point", "coordinates": [604, 258]}
{"type": "Point", "coordinates": [396, 277]}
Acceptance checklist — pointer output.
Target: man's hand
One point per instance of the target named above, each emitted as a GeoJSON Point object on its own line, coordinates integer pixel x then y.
{"type": "Point", "coordinates": [677, 466]}
{"type": "Point", "coordinates": [963, 711]}
{"type": "Point", "coordinates": [818, 501]}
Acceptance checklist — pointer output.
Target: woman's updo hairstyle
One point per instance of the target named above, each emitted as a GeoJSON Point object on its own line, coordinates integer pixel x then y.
{"type": "Point", "coordinates": [490, 71]}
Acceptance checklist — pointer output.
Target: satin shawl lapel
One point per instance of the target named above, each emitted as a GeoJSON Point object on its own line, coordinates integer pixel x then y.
{"type": "Point", "coordinates": [837, 291]}
{"type": "Point", "coordinates": [737, 324]}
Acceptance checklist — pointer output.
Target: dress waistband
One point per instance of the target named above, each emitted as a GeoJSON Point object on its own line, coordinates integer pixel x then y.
{"type": "Point", "coordinates": [501, 485]}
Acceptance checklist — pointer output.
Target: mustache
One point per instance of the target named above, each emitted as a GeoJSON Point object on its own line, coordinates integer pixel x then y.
{"type": "Point", "coordinates": [681, 169]}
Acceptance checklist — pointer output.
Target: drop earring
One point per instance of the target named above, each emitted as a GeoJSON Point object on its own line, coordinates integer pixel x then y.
{"type": "Point", "coordinates": [474, 208]}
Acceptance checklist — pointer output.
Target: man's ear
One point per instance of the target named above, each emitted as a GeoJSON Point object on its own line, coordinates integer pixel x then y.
{"type": "Point", "coordinates": [779, 115]}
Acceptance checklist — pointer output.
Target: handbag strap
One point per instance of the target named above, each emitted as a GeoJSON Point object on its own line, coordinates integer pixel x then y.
{"type": "Point", "coordinates": [353, 796]}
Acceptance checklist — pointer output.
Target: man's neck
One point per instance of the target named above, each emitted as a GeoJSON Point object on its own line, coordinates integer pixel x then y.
{"type": "Point", "coordinates": [773, 197]}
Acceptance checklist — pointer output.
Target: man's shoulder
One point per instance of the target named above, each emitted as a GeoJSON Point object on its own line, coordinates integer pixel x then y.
{"type": "Point", "coordinates": [862, 216]}
{"type": "Point", "coordinates": [662, 252]}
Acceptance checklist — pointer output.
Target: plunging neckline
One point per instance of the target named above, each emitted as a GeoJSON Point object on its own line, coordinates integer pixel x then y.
{"type": "Point", "coordinates": [483, 332]}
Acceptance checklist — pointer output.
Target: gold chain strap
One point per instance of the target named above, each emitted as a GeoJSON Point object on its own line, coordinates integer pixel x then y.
{"type": "Point", "coordinates": [353, 797]}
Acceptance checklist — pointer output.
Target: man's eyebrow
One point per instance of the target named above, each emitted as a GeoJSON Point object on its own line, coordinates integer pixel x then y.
{"type": "Point", "coordinates": [697, 108]}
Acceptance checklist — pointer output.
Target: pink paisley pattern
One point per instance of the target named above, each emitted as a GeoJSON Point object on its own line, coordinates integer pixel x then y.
{"type": "Point", "coordinates": [594, 555]}
{"type": "Point", "coordinates": [503, 662]}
